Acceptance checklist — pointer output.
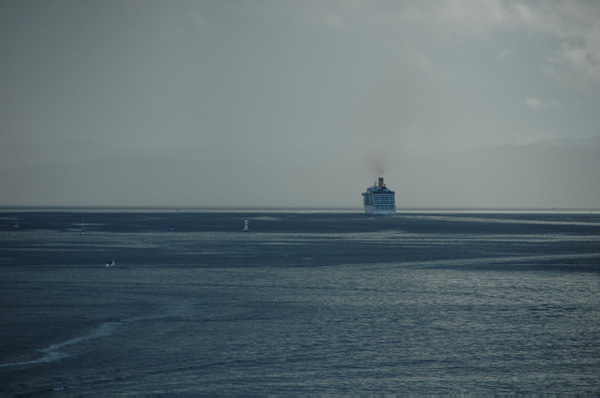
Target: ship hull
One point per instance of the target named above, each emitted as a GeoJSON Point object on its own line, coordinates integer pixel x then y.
{"type": "Point", "coordinates": [369, 209]}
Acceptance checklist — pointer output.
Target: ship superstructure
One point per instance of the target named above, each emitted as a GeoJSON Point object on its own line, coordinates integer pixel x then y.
{"type": "Point", "coordinates": [379, 199]}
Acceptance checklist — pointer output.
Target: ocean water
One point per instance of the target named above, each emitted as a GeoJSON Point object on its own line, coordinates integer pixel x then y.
{"type": "Point", "coordinates": [305, 303]}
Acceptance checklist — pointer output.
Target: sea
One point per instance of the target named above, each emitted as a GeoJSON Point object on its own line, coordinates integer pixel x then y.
{"type": "Point", "coordinates": [145, 302]}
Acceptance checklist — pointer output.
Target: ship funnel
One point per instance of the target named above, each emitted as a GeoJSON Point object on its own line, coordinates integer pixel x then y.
{"type": "Point", "coordinates": [381, 184]}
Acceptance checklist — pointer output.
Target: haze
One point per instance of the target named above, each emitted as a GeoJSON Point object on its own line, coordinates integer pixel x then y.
{"type": "Point", "coordinates": [300, 103]}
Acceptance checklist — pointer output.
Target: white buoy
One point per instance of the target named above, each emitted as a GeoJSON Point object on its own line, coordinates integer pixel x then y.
{"type": "Point", "coordinates": [246, 229]}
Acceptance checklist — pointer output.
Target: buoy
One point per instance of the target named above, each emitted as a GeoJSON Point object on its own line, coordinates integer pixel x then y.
{"type": "Point", "coordinates": [246, 229]}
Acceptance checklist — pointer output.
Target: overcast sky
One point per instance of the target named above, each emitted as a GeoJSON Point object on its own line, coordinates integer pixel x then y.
{"type": "Point", "coordinates": [338, 81]}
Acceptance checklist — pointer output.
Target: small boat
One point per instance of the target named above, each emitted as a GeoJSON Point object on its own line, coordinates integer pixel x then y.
{"type": "Point", "coordinates": [110, 263]}
{"type": "Point", "coordinates": [246, 228]}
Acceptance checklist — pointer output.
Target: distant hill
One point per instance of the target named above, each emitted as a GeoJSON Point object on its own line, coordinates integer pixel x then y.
{"type": "Point", "coordinates": [529, 176]}
{"type": "Point", "coordinates": [590, 142]}
{"type": "Point", "coordinates": [201, 178]}
{"type": "Point", "coordinates": [15, 155]}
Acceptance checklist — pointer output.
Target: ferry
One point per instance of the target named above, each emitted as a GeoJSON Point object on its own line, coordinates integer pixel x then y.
{"type": "Point", "coordinates": [378, 199]}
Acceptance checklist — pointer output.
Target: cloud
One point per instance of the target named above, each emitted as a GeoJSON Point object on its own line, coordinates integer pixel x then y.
{"type": "Point", "coordinates": [198, 19]}
{"type": "Point", "coordinates": [507, 53]}
{"type": "Point", "coordinates": [575, 28]}
{"type": "Point", "coordinates": [580, 57]}
{"type": "Point", "coordinates": [571, 28]}
{"type": "Point", "coordinates": [424, 63]}
{"type": "Point", "coordinates": [474, 15]}
{"type": "Point", "coordinates": [537, 104]}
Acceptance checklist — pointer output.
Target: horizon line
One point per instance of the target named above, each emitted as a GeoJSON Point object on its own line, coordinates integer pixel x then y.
{"type": "Point", "coordinates": [291, 209]}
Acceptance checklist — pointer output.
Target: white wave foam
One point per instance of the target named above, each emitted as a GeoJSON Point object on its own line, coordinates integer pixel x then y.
{"type": "Point", "coordinates": [53, 352]}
